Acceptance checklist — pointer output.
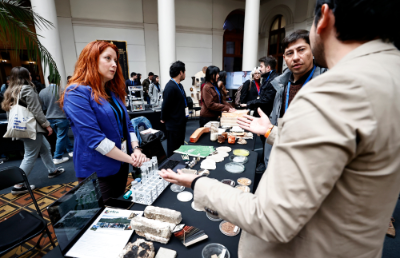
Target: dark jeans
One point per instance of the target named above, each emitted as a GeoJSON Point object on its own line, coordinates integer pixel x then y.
{"type": "Point", "coordinates": [262, 138]}
{"type": "Point", "coordinates": [174, 140]}
{"type": "Point", "coordinates": [205, 120]}
{"type": "Point", "coordinates": [113, 186]}
{"type": "Point", "coordinates": [60, 127]}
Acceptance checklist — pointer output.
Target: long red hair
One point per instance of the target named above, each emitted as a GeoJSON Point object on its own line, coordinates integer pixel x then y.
{"type": "Point", "coordinates": [87, 73]}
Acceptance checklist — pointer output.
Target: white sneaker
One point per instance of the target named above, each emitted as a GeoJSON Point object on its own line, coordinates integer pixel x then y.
{"type": "Point", "coordinates": [71, 154]}
{"type": "Point", "coordinates": [59, 161]}
{"type": "Point", "coordinates": [21, 189]}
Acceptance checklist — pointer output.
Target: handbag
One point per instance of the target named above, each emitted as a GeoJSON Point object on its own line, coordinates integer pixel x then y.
{"type": "Point", "coordinates": [21, 123]}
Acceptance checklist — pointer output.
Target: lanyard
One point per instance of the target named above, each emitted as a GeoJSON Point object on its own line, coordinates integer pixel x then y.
{"type": "Point", "coordinates": [183, 93]}
{"type": "Point", "coordinates": [122, 115]}
{"type": "Point", "coordinates": [288, 88]}
{"type": "Point", "coordinates": [219, 94]}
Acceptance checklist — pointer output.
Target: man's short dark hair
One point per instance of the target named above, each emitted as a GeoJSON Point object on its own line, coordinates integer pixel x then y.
{"type": "Point", "coordinates": [176, 68]}
{"type": "Point", "coordinates": [133, 74]}
{"type": "Point", "coordinates": [268, 61]}
{"type": "Point", "coordinates": [294, 36]}
{"type": "Point", "coordinates": [363, 19]}
{"type": "Point", "coordinates": [52, 79]}
{"type": "Point", "coordinates": [151, 74]}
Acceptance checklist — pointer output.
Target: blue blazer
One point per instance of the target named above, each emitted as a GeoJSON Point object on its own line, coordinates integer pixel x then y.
{"type": "Point", "coordinates": [91, 123]}
{"type": "Point", "coordinates": [130, 83]}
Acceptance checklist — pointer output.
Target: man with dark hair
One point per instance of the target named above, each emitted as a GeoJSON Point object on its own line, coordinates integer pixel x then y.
{"type": "Point", "coordinates": [265, 99]}
{"type": "Point", "coordinates": [146, 83]}
{"type": "Point", "coordinates": [38, 84]}
{"type": "Point", "coordinates": [131, 82]}
{"type": "Point", "coordinates": [174, 110]}
{"type": "Point", "coordinates": [58, 121]}
{"type": "Point", "coordinates": [334, 174]}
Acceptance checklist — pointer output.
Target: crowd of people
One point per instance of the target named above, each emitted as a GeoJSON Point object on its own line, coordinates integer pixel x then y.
{"type": "Point", "coordinates": [331, 170]}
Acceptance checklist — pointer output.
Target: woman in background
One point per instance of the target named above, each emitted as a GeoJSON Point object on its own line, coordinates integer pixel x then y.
{"type": "Point", "coordinates": [105, 141]}
{"type": "Point", "coordinates": [251, 88]}
{"type": "Point", "coordinates": [155, 90]}
{"type": "Point", "coordinates": [21, 87]}
{"type": "Point", "coordinates": [213, 103]}
{"type": "Point", "coordinates": [222, 85]}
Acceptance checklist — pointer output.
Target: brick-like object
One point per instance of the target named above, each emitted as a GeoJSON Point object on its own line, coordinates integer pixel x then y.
{"type": "Point", "coordinates": [154, 227]}
{"type": "Point", "coordinates": [163, 214]}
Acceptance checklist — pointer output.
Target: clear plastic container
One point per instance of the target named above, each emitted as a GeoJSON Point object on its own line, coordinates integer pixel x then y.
{"type": "Point", "coordinates": [214, 248]}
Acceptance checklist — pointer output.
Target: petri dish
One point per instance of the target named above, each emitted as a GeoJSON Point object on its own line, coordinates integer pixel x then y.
{"type": "Point", "coordinates": [244, 188]}
{"type": "Point", "coordinates": [228, 229]}
{"type": "Point", "coordinates": [241, 152]}
{"type": "Point", "coordinates": [215, 249]}
{"type": "Point", "coordinates": [239, 159]}
{"type": "Point", "coordinates": [228, 182]}
{"type": "Point", "coordinates": [212, 217]}
{"type": "Point", "coordinates": [194, 207]}
{"type": "Point", "coordinates": [244, 181]}
{"type": "Point", "coordinates": [234, 167]}
{"type": "Point", "coordinates": [177, 188]}
{"type": "Point", "coordinates": [185, 196]}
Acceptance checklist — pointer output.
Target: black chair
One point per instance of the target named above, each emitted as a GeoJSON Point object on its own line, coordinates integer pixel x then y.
{"type": "Point", "coordinates": [23, 226]}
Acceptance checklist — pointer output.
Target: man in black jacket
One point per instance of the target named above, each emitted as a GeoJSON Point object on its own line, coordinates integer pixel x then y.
{"type": "Point", "coordinates": [265, 100]}
{"type": "Point", "coordinates": [174, 110]}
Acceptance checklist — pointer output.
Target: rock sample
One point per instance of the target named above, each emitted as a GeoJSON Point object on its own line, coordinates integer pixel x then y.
{"type": "Point", "coordinates": [151, 227]}
{"type": "Point", "coordinates": [139, 249]}
{"type": "Point", "coordinates": [163, 214]}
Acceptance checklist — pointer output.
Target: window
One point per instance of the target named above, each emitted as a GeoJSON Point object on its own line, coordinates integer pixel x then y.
{"type": "Point", "coordinates": [276, 35]}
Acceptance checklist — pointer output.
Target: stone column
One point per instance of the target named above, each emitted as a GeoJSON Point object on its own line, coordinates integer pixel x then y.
{"type": "Point", "coordinates": [50, 37]}
{"type": "Point", "coordinates": [250, 37]}
{"type": "Point", "coordinates": [166, 37]}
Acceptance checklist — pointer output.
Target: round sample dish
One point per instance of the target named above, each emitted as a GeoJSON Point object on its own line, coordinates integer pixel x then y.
{"type": "Point", "coordinates": [234, 167]}
{"type": "Point", "coordinates": [177, 188]}
{"type": "Point", "coordinates": [239, 159]}
{"type": "Point", "coordinates": [224, 149]}
{"type": "Point", "coordinates": [241, 152]}
{"type": "Point", "coordinates": [228, 229]}
{"type": "Point", "coordinates": [185, 196]}
{"type": "Point", "coordinates": [212, 217]}
{"type": "Point", "coordinates": [244, 181]}
{"type": "Point", "coordinates": [194, 207]}
{"type": "Point", "coordinates": [244, 188]}
{"type": "Point", "coordinates": [215, 249]}
{"type": "Point", "coordinates": [228, 182]}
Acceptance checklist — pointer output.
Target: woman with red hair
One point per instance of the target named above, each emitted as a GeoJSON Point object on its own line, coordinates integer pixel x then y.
{"type": "Point", "coordinates": [105, 141]}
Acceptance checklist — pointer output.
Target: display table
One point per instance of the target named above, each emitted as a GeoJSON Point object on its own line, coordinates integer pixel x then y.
{"type": "Point", "coordinates": [168, 199]}
{"type": "Point", "coordinates": [205, 141]}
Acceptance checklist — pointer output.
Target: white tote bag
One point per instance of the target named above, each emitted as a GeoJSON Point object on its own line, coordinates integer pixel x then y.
{"type": "Point", "coordinates": [21, 123]}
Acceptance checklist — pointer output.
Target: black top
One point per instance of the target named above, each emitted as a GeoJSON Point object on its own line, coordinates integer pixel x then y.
{"type": "Point", "coordinates": [173, 107]}
{"type": "Point", "coordinates": [267, 95]}
{"type": "Point", "coordinates": [116, 107]}
{"type": "Point", "coordinates": [247, 94]}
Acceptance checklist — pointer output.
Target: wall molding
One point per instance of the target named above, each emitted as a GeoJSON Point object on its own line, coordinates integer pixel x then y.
{"type": "Point", "coordinates": [194, 30]}
{"type": "Point", "coordinates": [107, 23]}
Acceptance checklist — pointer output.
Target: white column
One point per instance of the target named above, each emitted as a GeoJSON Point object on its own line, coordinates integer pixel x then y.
{"type": "Point", "coordinates": [166, 37]}
{"type": "Point", "coordinates": [50, 37]}
{"type": "Point", "coordinates": [250, 37]}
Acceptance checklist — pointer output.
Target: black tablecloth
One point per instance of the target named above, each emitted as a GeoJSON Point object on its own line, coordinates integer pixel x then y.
{"type": "Point", "coordinates": [168, 199]}
{"type": "Point", "coordinates": [205, 141]}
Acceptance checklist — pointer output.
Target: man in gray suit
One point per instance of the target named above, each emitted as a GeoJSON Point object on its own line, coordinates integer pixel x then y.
{"type": "Point", "coordinates": [333, 177]}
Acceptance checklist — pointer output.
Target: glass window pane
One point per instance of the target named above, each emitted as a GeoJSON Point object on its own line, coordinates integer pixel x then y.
{"type": "Point", "coordinates": [273, 44]}
{"type": "Point", "coordinates": [282, 35]}
{"type": "Point", "coordinates": [275, 24]}
{"type": "Point", "coordinates": [228, 64]}
{"type": "Point", "coordinates": [283, 22]}
{"type": "Point", "coordinates": [230, 47]}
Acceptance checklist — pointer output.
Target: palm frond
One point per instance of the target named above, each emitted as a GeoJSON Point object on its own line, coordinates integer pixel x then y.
{"type": "Point", "coordinates": [14, 22]}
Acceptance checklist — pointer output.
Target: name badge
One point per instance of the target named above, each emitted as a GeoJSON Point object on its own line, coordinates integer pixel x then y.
{"type": "Point", "coordinates": [124, 147]}
{"type": "Point", "coordinates": [187, 112]}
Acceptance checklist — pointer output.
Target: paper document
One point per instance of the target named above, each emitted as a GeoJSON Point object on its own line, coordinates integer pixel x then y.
{"type": "Point", "coordinates": [107, 236]}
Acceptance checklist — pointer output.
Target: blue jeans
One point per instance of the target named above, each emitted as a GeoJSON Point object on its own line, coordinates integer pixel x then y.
{"type": "Point", "coordinates": [60, 127]}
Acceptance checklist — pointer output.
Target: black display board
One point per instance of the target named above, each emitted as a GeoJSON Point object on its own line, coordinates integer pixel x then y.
{"type": "Point", "coordinates": [123, 56]}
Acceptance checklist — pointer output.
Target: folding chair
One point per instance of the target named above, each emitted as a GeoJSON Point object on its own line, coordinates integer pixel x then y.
{"type": "Point", "coordinates": [24, 225]}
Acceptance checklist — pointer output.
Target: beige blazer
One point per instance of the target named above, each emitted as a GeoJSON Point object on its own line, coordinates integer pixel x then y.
{"type": "Point", "coordinates": [334, 174]}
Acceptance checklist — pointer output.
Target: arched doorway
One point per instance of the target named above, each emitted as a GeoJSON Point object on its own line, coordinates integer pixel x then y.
{"type": "Point", "coordinates": [233, 41]}
{"type": "Point", "coordinates": [276, 35]}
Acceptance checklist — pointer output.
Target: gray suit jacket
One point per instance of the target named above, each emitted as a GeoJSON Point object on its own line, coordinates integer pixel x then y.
{"type": "Point", "coordinates": [333, 178]}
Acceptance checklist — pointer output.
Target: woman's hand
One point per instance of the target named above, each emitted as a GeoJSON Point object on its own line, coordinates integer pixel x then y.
{"type": "Point", "coordinates": [255, 125]}
{"type": "Point", "coordinates": [138, 158]}
{"type": "Point", "coordinates": [178, 178]}
{"type": "Point", "coordinates": [243, 105]}
{"type": "Point", "coordinates": [231, 110]}
{"type": "Point", "coordinates": [50, 130]}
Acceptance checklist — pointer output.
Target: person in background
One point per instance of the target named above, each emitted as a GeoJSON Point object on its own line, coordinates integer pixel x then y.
{"type": "Point", "coordinates": [333, 179]}
{"type": "Point", "coordinates": [155, 90]}
{"type": "Point", "coordinates": [68, 78]}
{"type": "Point", "coordinates": [130, 82]}
{"type": "Point", "coordinates": [202, 85]}
{"type": "Point", "coordinates": [105, 141]}
{"type": "Point", "coordinates": [213, 103]}
{"type": "Point", "coordinates": [58, 121]}
{"type": "Point", "coordinates": [174, 110]}
{"type": "Point", "coordinates": [21, 87]}
{"type": "Point", "coordinates": [251, 88]}
{"type": "Point", "coordinates": [38, 84]}
{"type": "Point", "coordinates": [5, 85]}
{"type": "Point", "coordinates": [139, 79]}
{"type": "Point", "coordinates": [146, 83]}
{"type": "Point", "coordinates": [221, 83]}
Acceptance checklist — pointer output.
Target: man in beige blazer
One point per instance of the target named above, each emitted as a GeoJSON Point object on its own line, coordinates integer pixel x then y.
{"type": "Point", "coordinates": [333, 178]}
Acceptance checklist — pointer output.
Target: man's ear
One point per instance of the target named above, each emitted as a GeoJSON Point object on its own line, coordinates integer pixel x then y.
{"type": "Point", "coordinates": [324, 19]}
